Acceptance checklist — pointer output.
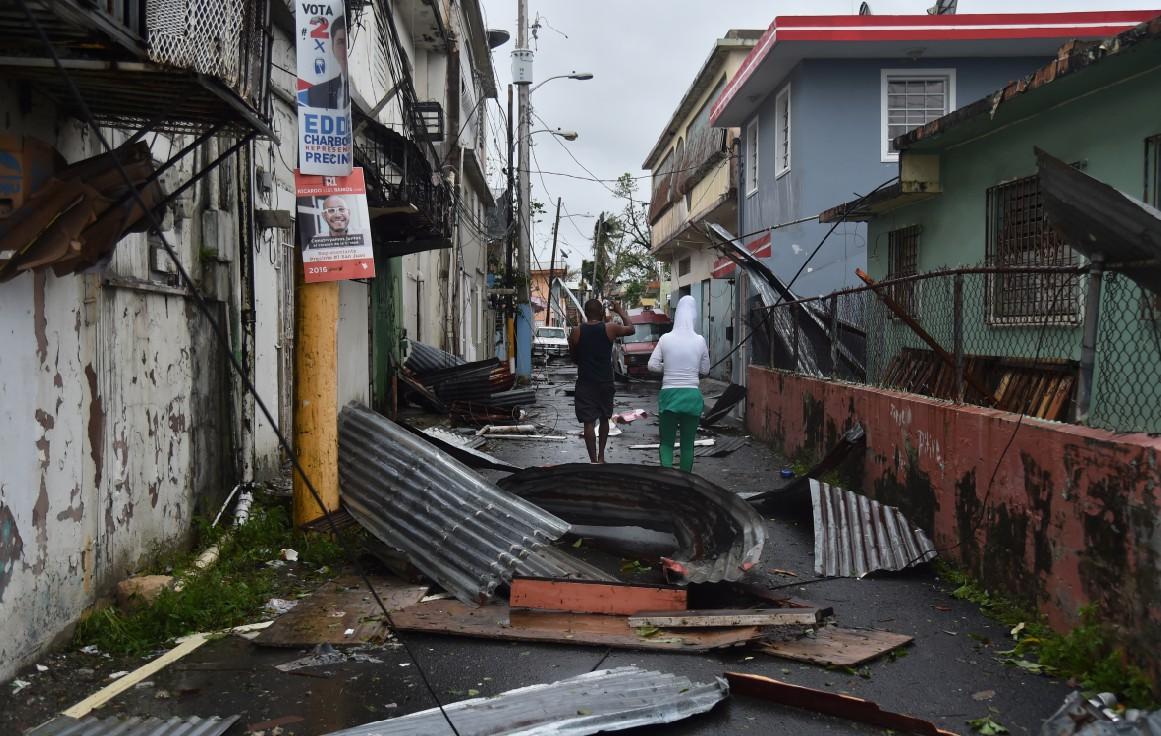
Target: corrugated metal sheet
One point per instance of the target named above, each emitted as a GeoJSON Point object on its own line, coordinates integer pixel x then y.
{"type": "Point", "coordinates": [464, 449]}
{"type": "Point", "coordinates": [719, 536]}
{"type": "Point", "coordinates": [192, 726]}
{"type": "Point", "coordinates": [854, 535]}
{"type": "Point", "coordinates": [605, 700]}
{"type": "Point", "coordinates": [721, 447]}
{"type": "Point", "coordinates": [422, 358]}
{"type": "Point", "coordinates": [456, 527]}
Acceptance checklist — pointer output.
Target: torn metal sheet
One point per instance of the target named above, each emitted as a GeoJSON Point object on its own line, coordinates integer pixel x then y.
{"type": "Point", "coordinates": [854, 535]}
{"type": "Point", "coordinates": [831, 704]}
{"type": "Point", "coordinates": [854, 439]}
{"type": "Point", "coordinates": [558, 563]}
{"type": "Point", "coordinates": [595, 702]}
{"type": "Point", "coordinates": [722, 447]}
{"type": "Point", "coordinates": [719, 536]}
{"type": "Point", "coordinates": [90, 726]}
{"type": "Point", "coordinates": [731, 396]}
{"type": "Point", "coordinates": [463, 449]}
{"type": "Point", "coordinates": [456, 527]}
{"type": "Point", "coordinates": [423, 358]}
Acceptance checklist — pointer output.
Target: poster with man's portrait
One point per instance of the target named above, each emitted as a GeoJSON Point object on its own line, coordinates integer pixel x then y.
{"type": "Point", "coordinates": [334, 227]}
{"type": "Point", "coordinates": [324, 88]}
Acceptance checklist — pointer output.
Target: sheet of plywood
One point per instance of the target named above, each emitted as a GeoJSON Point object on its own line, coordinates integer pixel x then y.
{"type": "Point", "coordinates": [337, 607]}
{"type": "Point", "coordinates": [576, 596]}
{"type": "Point", "coordinates": [716, 618]}
{"type": "Point", "coordinates": [497, 621]}
{"type": "Point", "coordinates": [837, 647]}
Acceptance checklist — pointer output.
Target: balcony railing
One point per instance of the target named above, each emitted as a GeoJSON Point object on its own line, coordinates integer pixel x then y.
{"type": "Point", "coordinates": [411, 205]}
{"type": "Point", "coordinates": [180, 65]}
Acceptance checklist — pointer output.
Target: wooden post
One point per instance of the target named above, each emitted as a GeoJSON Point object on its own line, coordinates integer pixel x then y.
{"type": "Point", "coordinates": [316, 410]}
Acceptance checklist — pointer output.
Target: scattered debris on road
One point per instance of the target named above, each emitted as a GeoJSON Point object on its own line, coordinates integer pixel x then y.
{"type": "Point", "coordinates": [855, 535]}
{"type": "Point", "coordinates": [704, 619]}
{"type": "Point", "coordinates": [584, 597]}
{"type": "Point", "coordinates": [834, 646]}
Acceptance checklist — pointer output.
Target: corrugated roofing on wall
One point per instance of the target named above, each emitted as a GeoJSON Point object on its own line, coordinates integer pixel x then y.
{"type": "Point", "coordinates": [456, 527]}
{"type": "Point", "coordinates": [91, 726]}
{"type": "Point", "coordinates": [423, 358]}
{"type": "Point", "coordinates": [854, 535]}
{"type": "Point", "coordinates": [595, 702]}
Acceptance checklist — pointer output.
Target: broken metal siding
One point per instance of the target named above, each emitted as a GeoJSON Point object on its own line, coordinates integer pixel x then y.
{"type": "Point", "coordinates": [719, 535]}
{"type": "Point", "coordinates": [456, 527]}
{"type": "Point", "coordinates": [605, 700]}
{"type": "Point", "coordinates": [192, 726]}
{"type": "Point", "coordinates": [854, 535]}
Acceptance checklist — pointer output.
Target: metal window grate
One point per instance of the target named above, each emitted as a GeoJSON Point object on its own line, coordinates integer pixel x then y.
{"type": "Point", "coordinates": [1018, 235]}
{"type": "Point", "coordinates": [912, 103]}
{"type": "Point", "coordinates": [1153, 170]}
{"type": "Point", "coordinates": [782, 136]}
{"type": "Point", "coordinates": [903, 260]}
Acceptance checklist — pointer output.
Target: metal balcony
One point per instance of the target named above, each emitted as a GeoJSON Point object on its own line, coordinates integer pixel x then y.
{"type": "Point", "coordinates": [410, 203]}
{"type": "Point", "coordinates": [170, 65]}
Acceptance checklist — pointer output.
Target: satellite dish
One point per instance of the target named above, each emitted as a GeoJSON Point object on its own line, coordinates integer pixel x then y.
{"type": "Point", "coordinates": [864, 9]}
{"type": "Point", "coordinates": [943, 7]}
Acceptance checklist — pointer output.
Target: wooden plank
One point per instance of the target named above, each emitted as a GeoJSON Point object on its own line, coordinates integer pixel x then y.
{"type": "Point", "coordinates": [575, 596]}
{"type": "Point", "coordinates": [837, 647]}
{"type": "Point", "coordinates": [337, 607]}
{"type": "Point", "coordinates": [831, 704]}
{"type": "Point", "coordinates": [498, 621]}
{"type": "Point", "coordinates": [714, 618]}
{"type": "Point", "coordinates": [1060, 401]}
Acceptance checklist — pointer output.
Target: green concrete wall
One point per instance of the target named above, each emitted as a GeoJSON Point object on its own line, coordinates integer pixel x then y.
{"type": "Point", "coordinates": [1104, 129]}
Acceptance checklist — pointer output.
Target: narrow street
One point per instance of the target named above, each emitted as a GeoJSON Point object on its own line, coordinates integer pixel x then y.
{"type": "Point", "coordinates": [950, 674]}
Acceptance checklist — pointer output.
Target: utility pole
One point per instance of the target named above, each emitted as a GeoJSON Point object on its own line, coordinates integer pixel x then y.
{"type": "Point", "coordinates": [552, 263]}
{"type": "Point", "coordinates": [509, 279]}
{"type": "Point", "coordinates": [523, 55]}
{"type": "Point", "coordinates": [316, 397]}
{"type": "Point", "coordinates": [597, 252]}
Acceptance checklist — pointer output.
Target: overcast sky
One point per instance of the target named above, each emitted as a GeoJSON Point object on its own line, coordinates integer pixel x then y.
{"type": "Point", "coordinates": [644, 54]}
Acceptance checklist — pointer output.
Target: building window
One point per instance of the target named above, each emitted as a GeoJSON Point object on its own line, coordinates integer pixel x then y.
{"type": "Point", "coordinates": [911, 98]}
{"type": "Point", "coordinates": [1019, 236]}
{"type": "Point", "coordinates": [782, 132]}
{"type": "Point", "coordinates": [903, 260]}
{"type": "Point", "coordinates": [752, 157]}
{"type": "Point", "coordinates": [1153, 170]}
{"type": "Point", "coordinates": [683, 267]}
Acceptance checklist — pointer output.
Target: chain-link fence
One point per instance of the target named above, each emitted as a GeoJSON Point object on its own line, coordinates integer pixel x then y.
{"type": "Point", "coordinates": [1008, 338]}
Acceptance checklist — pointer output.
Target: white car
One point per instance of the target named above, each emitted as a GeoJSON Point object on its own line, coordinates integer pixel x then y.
{"type": "Point", "coordinates": [549, 343]}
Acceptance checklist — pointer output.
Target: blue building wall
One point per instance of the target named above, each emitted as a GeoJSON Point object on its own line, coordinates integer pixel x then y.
{"type": "Point", "coordinates": [835, 112]}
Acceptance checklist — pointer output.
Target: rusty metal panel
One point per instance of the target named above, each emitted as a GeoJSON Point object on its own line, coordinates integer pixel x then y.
{"type": "Point", "coordinates": [719, 536]}
{"type": "Point", "coordinates": [192, 726]}
{"type": "Point", "coordinates": [605, 700]}
{"type": "Point", "coordinates": [456, 527]}
{"type": "Point", "coordinates": [855, 535]}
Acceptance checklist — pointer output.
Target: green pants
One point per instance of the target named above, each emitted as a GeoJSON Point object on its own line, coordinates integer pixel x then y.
{"type": "Point", "coordinates": [680, 410]}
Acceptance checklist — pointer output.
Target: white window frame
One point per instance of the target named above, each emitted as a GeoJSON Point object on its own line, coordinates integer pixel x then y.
{"type": "Point", "coordinates": [782, 98]}
{"type": "Point", "coordinates": [886, 75]}
{"type": "Point", "coordinates": [752, 156]}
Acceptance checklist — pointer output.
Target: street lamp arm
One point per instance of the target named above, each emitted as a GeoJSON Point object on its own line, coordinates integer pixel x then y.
{"type": "Point", "coordinates": [579, 76]}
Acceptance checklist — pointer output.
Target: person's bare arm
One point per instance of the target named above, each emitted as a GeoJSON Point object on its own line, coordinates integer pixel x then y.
{"type": "Point", "coordinates": [573, 341]}
{"type": "Point", "coordinates": [615, 330]}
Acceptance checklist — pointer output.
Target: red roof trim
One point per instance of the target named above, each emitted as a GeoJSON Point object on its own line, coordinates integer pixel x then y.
{"type": "Point", "coordinates": [983, 26]}
{"type": "Point", "coordinates": [760, 247]}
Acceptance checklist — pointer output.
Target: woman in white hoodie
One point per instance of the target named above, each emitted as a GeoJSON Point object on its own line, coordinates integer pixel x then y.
{"type": "Point", "coordinates": [681, 356]}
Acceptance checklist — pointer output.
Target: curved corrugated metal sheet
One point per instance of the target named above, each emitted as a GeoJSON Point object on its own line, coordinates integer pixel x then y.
{"type": "Point", "coordinates": [605, 700]}
{"type": "Point", "coordinates": [719, 535]}
{"type": "Point", "coordinates": [854, 535]}
{"type": "Point", "coordinates": [456, 527]}
{"type": "Point", "coordinates": [192, 726]}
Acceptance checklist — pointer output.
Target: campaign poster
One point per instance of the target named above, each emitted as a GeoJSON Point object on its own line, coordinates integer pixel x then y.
{"type": "Point", "coordinates": [334, 227]}
{"type": "Point", "coordinates": [324, 89]}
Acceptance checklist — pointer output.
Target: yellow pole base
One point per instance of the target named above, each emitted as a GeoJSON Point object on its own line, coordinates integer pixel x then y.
{"type": "Point", "coordinates": [316, 410]}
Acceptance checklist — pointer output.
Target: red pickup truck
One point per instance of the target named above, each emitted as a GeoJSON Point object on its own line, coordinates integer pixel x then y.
{"type": "Point", "coordinates": [631, 354]}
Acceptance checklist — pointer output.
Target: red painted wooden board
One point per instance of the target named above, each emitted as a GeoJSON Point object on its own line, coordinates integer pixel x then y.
{"type": "Point", "coordinates": [573, 596]}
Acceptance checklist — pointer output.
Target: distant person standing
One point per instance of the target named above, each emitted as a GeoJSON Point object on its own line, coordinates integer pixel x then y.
{"type": "Point", "coordinates": [591, 347]}
{"type": "Point", "coordinates": [682, 357]}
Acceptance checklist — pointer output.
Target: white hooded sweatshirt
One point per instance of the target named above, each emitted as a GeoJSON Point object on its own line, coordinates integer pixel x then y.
{"type": "Point", "coordinates": [681, 355]}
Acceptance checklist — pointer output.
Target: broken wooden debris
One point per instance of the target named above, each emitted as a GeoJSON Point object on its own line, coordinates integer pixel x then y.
{"type": "Point", "coordinates": [718, 618]}
{"type": "Point", "coordinates": [831, 704]}
{"type": "Point", "coordinates": [595, 702]}
{"type": "Point", "coordinates": [835, 646]}
{"type": "Point", "coordinates": [337, 607]}
{"type": "Point", "coordinates": [574, 596]}
{"type": "Point", "coordinates": [498, 621]}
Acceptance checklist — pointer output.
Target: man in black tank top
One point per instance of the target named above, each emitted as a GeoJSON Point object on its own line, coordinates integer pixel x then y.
{"type": "Point", "coordinates": [591, 346]}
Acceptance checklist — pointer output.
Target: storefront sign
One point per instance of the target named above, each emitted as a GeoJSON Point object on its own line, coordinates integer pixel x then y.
{"type": "Point", "coordinates": [334, 227]}
{"type": "Point", "coordinates": [324, 90]}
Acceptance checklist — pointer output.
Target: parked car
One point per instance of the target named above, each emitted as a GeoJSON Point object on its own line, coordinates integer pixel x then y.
{"type": "Point", "coordinates": [549, 343]}
{"type": "Point", "coordinates": [631, 354]}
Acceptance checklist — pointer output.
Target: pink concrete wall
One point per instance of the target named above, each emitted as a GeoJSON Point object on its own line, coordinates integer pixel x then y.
{"type": "Point", "coordinates": [1072, 518]}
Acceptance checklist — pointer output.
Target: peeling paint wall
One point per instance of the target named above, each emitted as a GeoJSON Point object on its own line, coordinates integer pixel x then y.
{"type": "Point", "coordinates": [1072, 519]}
{"type": "Point", "coordinates": [114, 406]}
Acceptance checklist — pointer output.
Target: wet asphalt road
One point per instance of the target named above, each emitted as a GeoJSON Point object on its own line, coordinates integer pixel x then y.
{"type": "Point", "coordinates": [949, 675]}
